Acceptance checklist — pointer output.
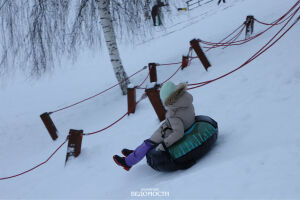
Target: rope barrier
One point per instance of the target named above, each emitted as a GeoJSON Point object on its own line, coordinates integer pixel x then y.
{"type": "Point", "coordinates": [235, 37]}
{"type": "Point", "coordinates": [172, 75]}
{"type": "Point", "coordinates": [144, 80]}
{"type": "Point", "coordinates": [268, 45]}
{"type": "Point", "coordinates": [276, 22]}
{"type": "Point", "coordinates": [92, 133]}
{"type": "Point", "coordinates": [118, 120]}
{"type": "Point", "coordinates": [176, 63]}
{"type": "Point", "coordinates": [257, 54]}
{"type": "Point", "coordinates": [9, 177]}
{"type": "Point", "coordinates": [209, 48]}
{"type": "Point", "coordinates": [85, 134]}
{"type": "Point", "coordinates": [98, 93]}
{"type": "Point", "coordinates": [236, 43]}
{"type": "Point", "coordinates": [240, 42]}
{"type": "Point", "coordinates": [228, 43]}
{"type": "Point", "coordinates": [190, 59]}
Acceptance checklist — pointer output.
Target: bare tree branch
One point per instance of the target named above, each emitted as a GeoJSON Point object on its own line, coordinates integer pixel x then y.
{"type": "Point", "coordinates": [35, 34]}
{"type": "Point", "coordinates": [2, 5]}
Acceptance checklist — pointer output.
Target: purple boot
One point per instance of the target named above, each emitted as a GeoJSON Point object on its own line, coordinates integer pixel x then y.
{"type": "Point", "coordinates": [139, 153]}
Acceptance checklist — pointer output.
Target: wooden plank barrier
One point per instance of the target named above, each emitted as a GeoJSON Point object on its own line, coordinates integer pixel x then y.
{"type": "Point", "coordinates": [153, 95]}
{"type": "Point", "coordinates": [249, 26]}
{"type": "Point", "coordinates": [185, 62]}
{"type": "Point", "coordinates": [196, 46]}
{"type": "Point", "coordinates": [131, 99]}
{"type": "Point", "coordinates": [74, 144]}
{"type": "Point", "coordinates": [152, 70]}
{"type": "Point", "coordinates": [49, 125]}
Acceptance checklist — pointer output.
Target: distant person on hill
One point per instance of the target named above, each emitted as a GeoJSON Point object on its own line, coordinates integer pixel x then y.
{"type": "Point", "coordinates": [179, 117]}
{"type": "Point", "coordinates": [220, 1]}
{"type": "Point", "coordinates": [155, 12]}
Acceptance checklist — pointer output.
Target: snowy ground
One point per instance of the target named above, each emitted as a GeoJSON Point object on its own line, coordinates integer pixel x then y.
{"type": "Point", "coordinates": [257, 155]}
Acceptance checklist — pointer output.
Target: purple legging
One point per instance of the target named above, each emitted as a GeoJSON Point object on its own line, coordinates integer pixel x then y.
{"type": "Point", "coordinates": [139, 153]}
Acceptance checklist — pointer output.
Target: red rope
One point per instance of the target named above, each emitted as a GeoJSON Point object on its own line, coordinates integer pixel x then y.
{"type": "Point", "coordinates": [85, 134]}
{"type": "Point", "coordinates": [97, 93]}
{"type": "Point", "coordinates": [172, 75]}
{"type": "Point", "coordinates": [235, 38]}
{"type": "Point", "coordinates": [92, 133]}
{"type": "Point", "coordinates": [65, 142]}
{"type": "Point", "coordinates": [209, 48]}
{"type": "Point", "coordinates": [144, 80]}
{"type": "Point", "coordinates": [176, 63]}
{"type": "Point", "coordinates": [235, 43]}
{"type": "Point", "coordinates": [229, 42]}
{"type": "Point", "coordinates": [167, 64]}
{"type": "Point", "coordinates": [9, 177]}
{"type": "Point", "coordinates": [240, 42]}
{"type": "Point", "coordinates": [277, 22]}
{"type": "Point", "coordinates": [107, 127]}
{"type": "Point", "coordinates": [190, 59]}
{"type": "Point", "coordinates": [257, 54]}
{"type": "Point", "coordinates": [189, 54]}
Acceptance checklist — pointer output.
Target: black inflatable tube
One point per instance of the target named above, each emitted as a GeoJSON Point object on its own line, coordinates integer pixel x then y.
{"type": "Point", "coordinates": [162, 161]}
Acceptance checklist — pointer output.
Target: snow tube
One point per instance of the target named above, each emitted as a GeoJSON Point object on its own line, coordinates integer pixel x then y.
{"type": "Point", "coordinates": [196, 142]}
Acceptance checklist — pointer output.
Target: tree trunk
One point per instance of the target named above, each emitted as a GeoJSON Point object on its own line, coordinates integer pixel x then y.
{"type": "Point", "coordinates": [111, 43]}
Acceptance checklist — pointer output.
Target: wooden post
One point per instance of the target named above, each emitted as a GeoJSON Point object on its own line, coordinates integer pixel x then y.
{"type": "Point", "coordinates": [185, 62]}
{"type": "Point", "coordinates": [74, 145]}
{"type": "Point", "coordinates": [152, 70]}
{"type": "Point", "coordinates": [195, 45]}
{"type": "Point", "coordinates": [249, 26]}
{"type": "Point", "coordinates": [49, 125]}
{"type": "Point", "coordinates": [153, 95]}
{"type": "Point", "coordinates": [131, 99]}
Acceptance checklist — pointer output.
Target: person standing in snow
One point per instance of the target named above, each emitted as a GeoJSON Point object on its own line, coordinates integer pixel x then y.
{"type": "Point", "coordinates": [180, 116]}
{"type": "Point", "coordinates": [155, 12]}
{"type": "Point", "coordinates": [220, 1]}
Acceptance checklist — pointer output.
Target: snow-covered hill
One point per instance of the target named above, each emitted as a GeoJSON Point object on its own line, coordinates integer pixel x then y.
{"type": "Point", "coordinates": [257, 108]}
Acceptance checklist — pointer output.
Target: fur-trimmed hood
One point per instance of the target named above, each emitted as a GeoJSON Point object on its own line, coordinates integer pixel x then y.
{"type": "Point", "coordinates": [180, 90]}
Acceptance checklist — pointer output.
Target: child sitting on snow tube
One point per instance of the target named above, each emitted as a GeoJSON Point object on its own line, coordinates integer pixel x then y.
{"type": "Point", "coordinates": [197, 141]}
{"type": "Point", "coordinates": [180, 116]}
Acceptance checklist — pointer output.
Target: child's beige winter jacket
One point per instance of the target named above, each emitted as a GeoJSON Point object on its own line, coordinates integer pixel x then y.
{"type": "Point", "coordinates": [179, 117]}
